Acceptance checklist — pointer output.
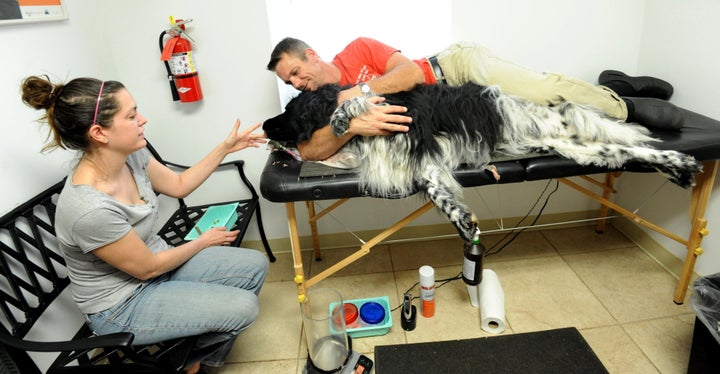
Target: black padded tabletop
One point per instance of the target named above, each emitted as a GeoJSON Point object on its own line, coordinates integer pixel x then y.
{"type": "Point", "coordinates": [281, 181]}
{"type": "Point", "coordinates": [700, 137]}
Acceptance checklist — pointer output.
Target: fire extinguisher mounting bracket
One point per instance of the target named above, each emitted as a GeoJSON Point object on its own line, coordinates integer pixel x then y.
{"type": "Point", "coordinates": [177, 28]}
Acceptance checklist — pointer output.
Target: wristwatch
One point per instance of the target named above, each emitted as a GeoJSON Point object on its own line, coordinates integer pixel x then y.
{"type": "Point", "coordinates": [365, 89]}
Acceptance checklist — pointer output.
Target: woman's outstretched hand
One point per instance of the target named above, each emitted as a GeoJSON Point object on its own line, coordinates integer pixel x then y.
{"type": "Point", "coordinates": [238, 140]}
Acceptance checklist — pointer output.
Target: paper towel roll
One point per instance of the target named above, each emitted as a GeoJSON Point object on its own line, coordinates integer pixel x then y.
{"type": "Point", "coordinates": [492, 303]}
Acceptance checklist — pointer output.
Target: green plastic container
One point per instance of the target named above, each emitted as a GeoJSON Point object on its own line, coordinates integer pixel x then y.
{"type": "Point", "coordinates": [360, 328]}
{"type": "Point", "coordinates": [214, 216]}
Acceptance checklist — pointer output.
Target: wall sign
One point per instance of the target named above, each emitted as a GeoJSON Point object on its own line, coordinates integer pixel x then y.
{"type": "Point", "coordinates": [21, 11]}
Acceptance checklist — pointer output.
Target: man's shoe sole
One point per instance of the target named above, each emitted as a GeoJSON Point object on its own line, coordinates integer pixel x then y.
{"type": "Point", "coordinates": [642, 86]}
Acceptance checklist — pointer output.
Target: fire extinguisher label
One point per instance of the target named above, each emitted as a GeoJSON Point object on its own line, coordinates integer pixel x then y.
{"type": "Point", "coordinates": [182, 63]}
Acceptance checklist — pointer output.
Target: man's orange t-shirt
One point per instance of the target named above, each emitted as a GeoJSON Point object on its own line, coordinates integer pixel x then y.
{"type": "Point", "coordinates": [365, 59]}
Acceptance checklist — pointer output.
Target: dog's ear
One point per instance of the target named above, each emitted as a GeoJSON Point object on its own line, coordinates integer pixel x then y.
{"type": "Point", "coordinates": [303, 115]}
{"type": "Point", "coordinates": [280, 128]}
{"type": "Point", "coordinates": [314, 109]}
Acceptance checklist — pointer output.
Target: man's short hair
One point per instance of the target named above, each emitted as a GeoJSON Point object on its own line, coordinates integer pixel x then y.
{"type": "Point", "coordinates": [291, 47]}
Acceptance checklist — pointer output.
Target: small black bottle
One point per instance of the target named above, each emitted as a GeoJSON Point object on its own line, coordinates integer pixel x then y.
{"type": "Point", "coordinates": [473, 261]}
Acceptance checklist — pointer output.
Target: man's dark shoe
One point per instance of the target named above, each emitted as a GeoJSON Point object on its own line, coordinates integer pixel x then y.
{"type": "Point", "coordinates": [654, 113]}
{"type": "Point", "coordinates": [625, 85]}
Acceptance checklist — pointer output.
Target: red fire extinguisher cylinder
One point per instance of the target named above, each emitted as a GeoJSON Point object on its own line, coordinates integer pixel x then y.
{"type": "Point", "coordinates": [177, 52]}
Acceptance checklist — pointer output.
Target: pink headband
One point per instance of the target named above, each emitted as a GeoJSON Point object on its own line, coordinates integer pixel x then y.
{"type": "Point", "coordinates": [97, 104]}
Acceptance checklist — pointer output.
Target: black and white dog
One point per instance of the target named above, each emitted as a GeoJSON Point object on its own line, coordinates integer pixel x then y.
{"type": "Point", "coordinates": [465, 124]}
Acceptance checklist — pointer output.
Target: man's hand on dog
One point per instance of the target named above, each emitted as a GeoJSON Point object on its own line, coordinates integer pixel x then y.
{"type": "Point", "coordinates": [381, 120]}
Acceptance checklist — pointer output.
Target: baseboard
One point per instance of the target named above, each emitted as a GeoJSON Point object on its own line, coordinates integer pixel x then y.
{"type": "Point", "coordinates": [652, 247]}
{"type": "Point", "coordinates": [630, 229]}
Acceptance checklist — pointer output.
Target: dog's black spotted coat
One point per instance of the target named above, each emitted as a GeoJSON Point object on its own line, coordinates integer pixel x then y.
{"type": "Point", "coordinates": [465, 124]}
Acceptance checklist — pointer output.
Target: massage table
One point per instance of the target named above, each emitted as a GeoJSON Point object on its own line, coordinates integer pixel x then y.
{"type": "Point", "coordinates": [281, 181]}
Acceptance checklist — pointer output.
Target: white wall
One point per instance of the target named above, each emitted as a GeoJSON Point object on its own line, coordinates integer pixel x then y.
{"type": "Point", "coordinates": [576, 38]}
{"type": "Point", "coordinates": [232, 48]}
{"type": "Point", "coordinates": [520, 30]}
{"type": "Point", "coordinates": [41, 48]}
{"type": "Point", "coordinates": [679, 42]}
{"type": "Point", "coordinates": [118, 40]}
{"type": "Point", "coordinates": [668, 39]}
{"type": "Point", "coordinates": [290, 18]}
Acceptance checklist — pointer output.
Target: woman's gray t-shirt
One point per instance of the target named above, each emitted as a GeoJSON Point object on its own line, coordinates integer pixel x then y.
{"type": "Point", "coordinates": [87, 219]}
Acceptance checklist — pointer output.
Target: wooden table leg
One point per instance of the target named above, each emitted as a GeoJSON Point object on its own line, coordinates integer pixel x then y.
{"type": "Point", "coordinates": [608, 189]}
{"type": "Point", "coordinates": [698, 205]}
{"type": "Point", "coordinates": [313, 230]}
{"type": "Point", "coordinates": [296, 251]}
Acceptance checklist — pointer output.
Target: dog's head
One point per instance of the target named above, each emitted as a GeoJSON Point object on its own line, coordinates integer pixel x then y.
{"type": "Point", "coordinates": [305, 113]}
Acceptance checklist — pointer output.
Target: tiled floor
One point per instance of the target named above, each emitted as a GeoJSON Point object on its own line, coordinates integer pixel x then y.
{"type": "Point", "coordinates": [619, 298]}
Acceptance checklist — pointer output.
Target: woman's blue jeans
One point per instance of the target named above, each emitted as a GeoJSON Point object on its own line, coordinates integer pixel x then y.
{"type": "Point", "coordinates": [216, 291]}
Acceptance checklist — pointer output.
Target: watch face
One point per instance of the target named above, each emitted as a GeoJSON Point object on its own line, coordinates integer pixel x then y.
{"type": "Point", "coordinates": [364, 88]}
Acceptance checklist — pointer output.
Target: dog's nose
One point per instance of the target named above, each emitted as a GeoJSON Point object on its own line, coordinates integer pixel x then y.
{"type": "Point", "coordinates": [278, 128]}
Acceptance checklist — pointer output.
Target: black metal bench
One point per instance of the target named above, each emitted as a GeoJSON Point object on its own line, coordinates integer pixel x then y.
{"type": "Point", "coordinates": [33, 275]}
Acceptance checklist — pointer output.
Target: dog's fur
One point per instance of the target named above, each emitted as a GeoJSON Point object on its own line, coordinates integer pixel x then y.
{"type": "Point", "coordinates": [456, 125]}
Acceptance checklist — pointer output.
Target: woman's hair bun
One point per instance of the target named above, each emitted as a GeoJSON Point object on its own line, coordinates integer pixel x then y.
{"type": "Point", "coordinates": [39, 93]}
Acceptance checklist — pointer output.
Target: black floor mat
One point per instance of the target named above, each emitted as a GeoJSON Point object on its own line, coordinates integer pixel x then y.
{"type": "Point", "coordinates": [553, 351]}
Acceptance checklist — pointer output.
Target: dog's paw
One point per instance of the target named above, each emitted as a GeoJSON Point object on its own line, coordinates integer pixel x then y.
{"type": "Point", "coordinates": [340, 120]}
{"type": "Point", "coordinates": [349, 109]}
{"type": "Point", "coordinates": [467, 226]}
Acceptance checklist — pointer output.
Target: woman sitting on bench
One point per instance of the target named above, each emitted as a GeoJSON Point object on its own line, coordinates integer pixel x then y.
{"type": "Point", "coordinates": [124, 277]}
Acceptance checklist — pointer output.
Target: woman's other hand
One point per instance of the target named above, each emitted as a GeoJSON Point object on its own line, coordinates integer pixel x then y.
{"type": "Point", "coordinates": [218, 236]}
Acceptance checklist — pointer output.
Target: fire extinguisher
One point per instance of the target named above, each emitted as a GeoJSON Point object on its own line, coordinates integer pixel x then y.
{"type": "Point", "coordinates": [177, 55]}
